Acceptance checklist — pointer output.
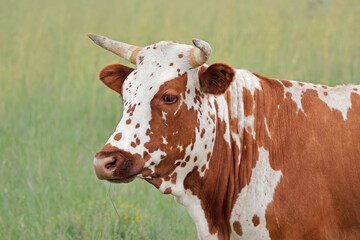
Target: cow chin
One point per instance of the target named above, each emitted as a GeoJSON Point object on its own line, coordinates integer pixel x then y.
{"type": "Point", "coordinates": [122, 180]}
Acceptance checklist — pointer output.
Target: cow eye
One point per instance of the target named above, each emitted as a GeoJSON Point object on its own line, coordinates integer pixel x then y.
{"type": "Point", "coordinates": [169, 99]}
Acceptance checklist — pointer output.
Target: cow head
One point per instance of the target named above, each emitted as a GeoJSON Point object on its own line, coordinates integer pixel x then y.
{"type": "Point", "coordinates": [168, 123]}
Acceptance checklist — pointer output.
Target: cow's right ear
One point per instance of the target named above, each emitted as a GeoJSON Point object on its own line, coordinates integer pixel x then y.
{"type": "Point", "coordinates": [113, 76]}
{"type": "Point", "coordinates": [216, 79]}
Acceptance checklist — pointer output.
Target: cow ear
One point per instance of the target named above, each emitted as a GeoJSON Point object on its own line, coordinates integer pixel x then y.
{"type": "Point", "coordinates": [113, 76]}
{"type": "Point", "coordinates": [216, 79]}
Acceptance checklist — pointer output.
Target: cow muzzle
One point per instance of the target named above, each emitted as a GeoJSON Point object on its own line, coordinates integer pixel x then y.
{"type": "Point", "coordinates": [117, 167]}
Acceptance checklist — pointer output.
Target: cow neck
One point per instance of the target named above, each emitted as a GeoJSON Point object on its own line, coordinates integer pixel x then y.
{"type": "Point", "coordinates": [217, 187]}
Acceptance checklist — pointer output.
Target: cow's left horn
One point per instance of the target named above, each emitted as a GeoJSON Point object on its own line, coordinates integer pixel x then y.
{"type": "Point", "coordinates": [200, 54]}
{"type": "Point", "coordinates": [127, 51]}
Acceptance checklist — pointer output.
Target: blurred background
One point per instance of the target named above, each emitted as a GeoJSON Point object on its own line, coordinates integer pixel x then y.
{"type": "Point", "coordinates": [55, 114]}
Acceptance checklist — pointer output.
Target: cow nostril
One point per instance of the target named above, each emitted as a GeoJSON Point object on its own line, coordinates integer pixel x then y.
{"type": "Point", "coordinates": [111, 164]}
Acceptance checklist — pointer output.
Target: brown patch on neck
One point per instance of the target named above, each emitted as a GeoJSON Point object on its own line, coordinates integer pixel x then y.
{"type": "Point", "coordinates": [215, 189]}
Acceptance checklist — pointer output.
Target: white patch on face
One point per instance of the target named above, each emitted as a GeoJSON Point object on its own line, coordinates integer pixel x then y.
{"type": "Point", "coordinates": [164, 115]}
{"type": "Point", "coordinates": [254, 199]}
{"type": "Point", "coordinates": [337, 98]}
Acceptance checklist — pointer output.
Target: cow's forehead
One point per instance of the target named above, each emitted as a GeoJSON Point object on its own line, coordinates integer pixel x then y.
{"type": "Point", "coordinates": [156, 64]}
{"type": "Point", "coordinates": [167, 54]}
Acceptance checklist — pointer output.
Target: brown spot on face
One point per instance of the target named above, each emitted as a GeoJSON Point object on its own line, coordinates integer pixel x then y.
{"type": "Point", "coordinates": [141, 58]}
{"type": "Point", "coordinates": [187, 159]}
{"type": "Point", "coordinates": [137, 141]}
{"type": "Point", "coordinates": [203, 168]}
{"type": "Point", "coordinates": [154, 47]}
{"type": "Point", "coordinates": [237, 228]}
{"type": "Point", "coordinates": [181, 55]}
{"type": "Point", "coordinates": [171, 64]}
{"type": "Point", "coordinates": [128, 121]}
{"type": "Point", "coordinates": [137, 125]}
{"type": "Point", "coordinates": [355, 89]}
{"type": "Point", "coordinates": [301, 84]}
{"type": "Point", "coordinates": [183, 164]}
{"type": "Point", "coordinates": [133, 144]}
{"type": "Point", "coordinates": [178, 70]}
{"type": "Point", "coordinates": [146, 156]}
{"type": "Point", "coordinates": [118, 136]}
{"type": "Point", "coordinates": [325, 87]}
{"type": "Point", "coordinates": [195, 159]}
{"type": "Point", "coordinates": [256, 220]}
{"type": "Point", "coordinates": [325, 93]}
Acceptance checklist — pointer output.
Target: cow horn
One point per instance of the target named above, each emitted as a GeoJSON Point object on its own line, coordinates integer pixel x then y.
{"type": "Point", "coordinates": [200, 54]}
{"type": "Point", "coordinates": [127, 51]}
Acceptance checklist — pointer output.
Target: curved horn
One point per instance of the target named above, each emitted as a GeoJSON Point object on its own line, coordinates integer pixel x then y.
{"type": "Point", "coordinates": [200, 54]}
{"type": "Point", "coordinates": [127, 51]}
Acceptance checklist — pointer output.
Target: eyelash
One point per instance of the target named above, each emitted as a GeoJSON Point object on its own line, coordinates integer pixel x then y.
{"type": "Point", "coordinates": [170, 99]}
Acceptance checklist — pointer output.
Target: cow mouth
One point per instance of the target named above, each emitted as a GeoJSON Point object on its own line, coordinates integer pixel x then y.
{"type": "Point", "coordinates": [123, 179]}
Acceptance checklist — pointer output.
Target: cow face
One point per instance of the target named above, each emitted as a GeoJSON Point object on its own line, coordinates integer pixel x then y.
{"type": "Point", "coordinates": [168, 123]}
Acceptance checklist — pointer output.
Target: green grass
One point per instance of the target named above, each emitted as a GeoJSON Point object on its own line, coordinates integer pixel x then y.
{"type": "Point", "coordinates": [55, 114]}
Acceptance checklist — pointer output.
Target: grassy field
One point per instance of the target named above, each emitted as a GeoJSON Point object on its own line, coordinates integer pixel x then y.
{"type": "Point", "coordinates": [55, 114]}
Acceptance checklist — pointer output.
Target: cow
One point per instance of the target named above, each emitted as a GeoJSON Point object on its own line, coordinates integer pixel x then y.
{"type": "Point", "coordinates": [249, 157]}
